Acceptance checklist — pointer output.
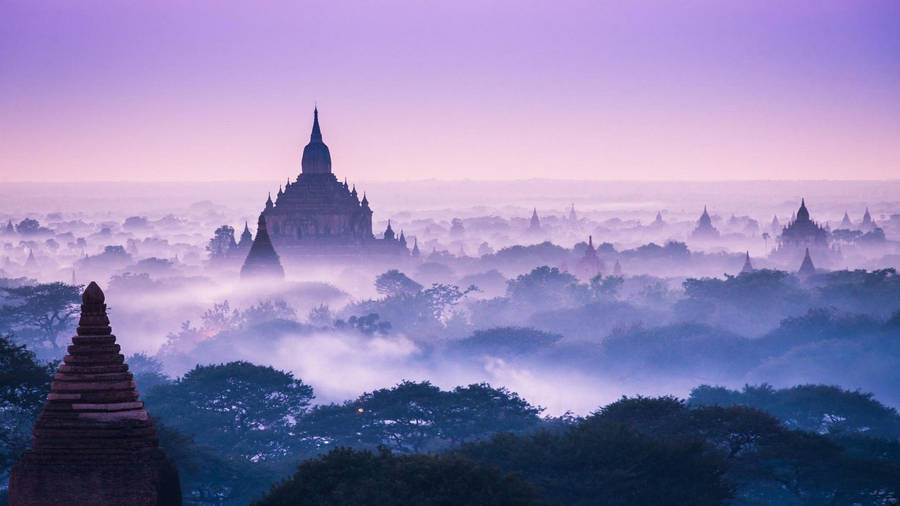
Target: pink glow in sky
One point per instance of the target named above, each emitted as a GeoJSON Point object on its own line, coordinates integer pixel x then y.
{"type": "Point", "coordinates": [213, 90]}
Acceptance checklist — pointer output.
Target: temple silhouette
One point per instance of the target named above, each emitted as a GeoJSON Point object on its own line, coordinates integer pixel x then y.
{"type": "Point", "coordinates": [94, 442]}
{"type": "Point", "coordinates": [705, 228]}
{"type": "Point", "coordinates": [318, 215]}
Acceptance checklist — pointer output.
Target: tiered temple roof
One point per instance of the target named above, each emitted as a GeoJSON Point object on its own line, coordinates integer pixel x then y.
{"type": "Point", "coordinates": [94, 442]}
{"type": "Point", "coordinates": [705, 228]}
{"type": "Point", "coordinates": [802, 231]}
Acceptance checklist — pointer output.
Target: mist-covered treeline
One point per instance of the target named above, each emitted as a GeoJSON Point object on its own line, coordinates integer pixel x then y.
{"type": "Point", "coordinates": [567, 343]}
{"type": "Point", "coordinates": [235, 429]}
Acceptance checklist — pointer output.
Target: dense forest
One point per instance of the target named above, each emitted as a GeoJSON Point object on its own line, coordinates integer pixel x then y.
{"type": "Point", "coordinates": [241, 432]}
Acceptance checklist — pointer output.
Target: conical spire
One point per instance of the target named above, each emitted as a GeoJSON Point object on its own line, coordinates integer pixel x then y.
{"type": "Point", "coordinates": [262, 260]}
{"type": "Point", "coordinates": [316, 156]}
{"type": "Point", "coordinates": [802, 213]}
{"type": "Point", "coordinates": [316, 135]}
{"type": "Point", "coordinates": [269, 204]}
{"type": "Point", "coordinates": [94, 441]}
{"type": "Point", "coordinates": [415, 250]}
{"type": "Point", "coordinates": [535, 221]}
{"type": "Point", "coordinates": [389, 232]}
{"type": "Point", "coordinates": [617, 269]}
{"type": "Point", "coordinates": [246, 238]}
{"type": "Point", "coordinates": [845, 221]}
{"type": "Point", "coordinates": [748, 267]}
{"type": "Point", "coordinates": [807, 268]}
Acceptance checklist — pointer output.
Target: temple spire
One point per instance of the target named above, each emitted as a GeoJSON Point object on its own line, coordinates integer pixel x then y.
{"type": "Point", "coordinates": [94, 442]}
{"type": "Point", "coordinates": [262, 260]}
{"type": "Point", "coordinates": [316, 135]}
{"type": "Point", "coordinates": [807, 268]}
{"type": "Point", "coordinates": [748, 266]}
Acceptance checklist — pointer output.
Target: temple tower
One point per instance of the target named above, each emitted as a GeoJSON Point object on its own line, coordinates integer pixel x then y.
{"type": "Point", "coordinates": [94, 442]}
{"type": "Point", "coordinates": [806, 268]}
{"type": "Point", "coordinates": [748, 267]}
{"type": "Point", "coordinates": [262, 261]}
{"type": "Point", "coordinates": [535, 224]}
{"type": "Point", "coordinates": [705, 228]}
{"type": "Point", "coordinates": [590, 264]}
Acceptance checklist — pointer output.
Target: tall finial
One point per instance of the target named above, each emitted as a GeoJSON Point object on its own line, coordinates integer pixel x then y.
{"type": "Point", "coordinates": [316, 135]}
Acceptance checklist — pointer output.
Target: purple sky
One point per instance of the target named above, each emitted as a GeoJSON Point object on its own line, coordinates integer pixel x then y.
{"type": "Point", "coordinates": [129, 90]}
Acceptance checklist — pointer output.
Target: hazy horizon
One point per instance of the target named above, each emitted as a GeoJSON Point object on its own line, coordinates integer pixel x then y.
{"type": "Point", "coordinates": [212, 91]}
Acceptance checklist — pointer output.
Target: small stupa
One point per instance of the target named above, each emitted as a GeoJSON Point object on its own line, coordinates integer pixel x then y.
{"type": "Point", "coordinates": [845, 222]}
{"type": "Point", "coordinates": [246, 239]}
{"type": "Point", "coordinates": [806, 268]}
{"type": "Point", "coordinates": [535, 223]}
{"type": "Point", "coordinates": [590, 264]}
{"type": "Point", "coordinates": [748, 267]}
{"type": "Point", "coordinates": [262, 260]}
{"type": "Point", "coordinates": [94, 442]}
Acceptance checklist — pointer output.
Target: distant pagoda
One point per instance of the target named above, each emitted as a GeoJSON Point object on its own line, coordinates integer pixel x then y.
{"type": "Point", "coordinates": [846, 223]}
{"type": "Point", "coordinates": [748, 267]}
{"type": "Point", "coordinates": [535, 224]}
{"type": "Point", "coordinates": [590, 264]}
{"type": "Point", "coordinates": [94, 442]}
{"type": "Point", "coordinates": [246, 239]}
{"type": "Point", "coordinates": [262, 260]}
{"type": "Point", "coordinates": [807, 268]}
{"type": "Point", "coordinates": [802, 232]}
{"type": "Point", "coordinates": [705, 228]}
{"type": "Point", "coordinates": [867, 224]}
{"type": "Point", "coordinates": [316, 214]}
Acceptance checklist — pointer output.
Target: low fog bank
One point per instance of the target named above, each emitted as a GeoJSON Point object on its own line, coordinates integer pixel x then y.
{"type": "Point", "coordinates": [495, 295]}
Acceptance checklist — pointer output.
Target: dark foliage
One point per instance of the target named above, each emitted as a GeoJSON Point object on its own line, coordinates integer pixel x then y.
{"type": "Point", "coordinates": [415, 417]}
{"type": "Point", "coordinates": [24, 383]}
{"type": "Point", "coordinates": [608, 463]}
{"type": "Point", "coordinates": [352, 477]}
{"type": "Point", "coordinates": [243, 410]}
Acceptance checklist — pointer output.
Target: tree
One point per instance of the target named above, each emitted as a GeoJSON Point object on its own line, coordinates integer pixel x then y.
{"type": "Point", "coordinates": [600, 462]}
{"type": "Point", "coordinates": [245, 410]}
{"type": "Point", "coordinates": [24, 384]}
{"type": "Point", "coordinates": [812, 408]}
{"type": "Point", "coordinates": [222, 243]}
{"type": "Point", "coordinates": [41, 312]}
{"type": "Point", "coordinates": [352, 477]}
{"type": "Point", "coordinates": [606, 288]}
{"type": "Point", "coordinates": [414, 417]}
{"type": "Point", "coordinates": [28, 226]}
{"type": "Point", "coordinates": [544, 287]}
{"type": "Point", "coordinates": [506, 341]}
{"type": "Point", "coordinates": [479, 411]}
{"type": "Point", "coordinates": [393, 283]}
{"type": "Point", "coordinates": [148, 371]}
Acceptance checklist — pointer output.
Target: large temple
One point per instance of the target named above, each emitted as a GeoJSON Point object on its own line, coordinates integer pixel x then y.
{"type": "Point", "coordinates": [803, 232]}
{"type": "Point", "coordinates": [318, 215]}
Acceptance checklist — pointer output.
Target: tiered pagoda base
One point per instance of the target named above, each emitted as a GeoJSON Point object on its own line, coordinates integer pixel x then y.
{"type": "Point", "coordinates": [94, 442]}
